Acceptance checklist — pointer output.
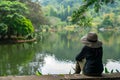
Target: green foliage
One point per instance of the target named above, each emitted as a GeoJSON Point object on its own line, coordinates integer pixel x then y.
{"type": "Point", "coordinates": [18, 24]}
{"type": "Point", "coordinates": [36, 15]}
{"type": "Point", "coordinates": [54, 21]}
{"type": "Point", "coordinates": [117, 71]}
{"type": "Point", "coordinates": [78, 14]}
{"type": "Point", "coordinates": [3, 29]}
{"type": "Point", "coordinates": [107, 22]}
{"type": "Point", "coordinates": [60, 8]}
{"type": "Point", "coordinates": [7, 7]}
{"type": "Point", "coordinates": [110, 21]}
{"type": "Point", "coordinates": [111, 71]}
{"type": "Point", "coordinates": [96, 4]}
{"type": "Point", "coordinates": [12, 21]}
{"type": "Point", "coordinates": [60, 12]}
{"type": "Point", "coordinates": [85, 22]}
{"type": "Point", "coordinates": [38, 73]}
{"type": "Point", "coordinates": [65, 3]}
{"type": "Point", "coordinates": [106, 70]}
{"type": "Point", "coordinates": [28, 8]}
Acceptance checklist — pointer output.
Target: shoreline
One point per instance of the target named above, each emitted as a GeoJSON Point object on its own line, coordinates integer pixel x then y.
{"type": "Point", "coordinates": [14, 41]}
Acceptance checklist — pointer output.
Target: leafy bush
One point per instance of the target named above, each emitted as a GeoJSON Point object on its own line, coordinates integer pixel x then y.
{"type": "Point", "coordinates": [8, 7]}
{"type": "Point", "coordinates": [3, 29]}
{"type": "Point", "coordinates": [12, 19]}
{"type": "Point", "coordinates": [18, 25]}
{"type": "Point", "coordinates": [111, 21]}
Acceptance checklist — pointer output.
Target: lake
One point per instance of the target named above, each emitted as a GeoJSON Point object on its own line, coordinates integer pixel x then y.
{"type": "Point", "coordinates": [54, 53]}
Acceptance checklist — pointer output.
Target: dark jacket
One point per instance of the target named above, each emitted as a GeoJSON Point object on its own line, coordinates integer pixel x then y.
{"type": "Point", "coordinates": [93, 58]}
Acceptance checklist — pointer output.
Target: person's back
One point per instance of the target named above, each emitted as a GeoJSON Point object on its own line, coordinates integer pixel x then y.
{"type": "Point", "coordinates": [93, 65]}
{"type": "Point", "coordinates": [92, 52]}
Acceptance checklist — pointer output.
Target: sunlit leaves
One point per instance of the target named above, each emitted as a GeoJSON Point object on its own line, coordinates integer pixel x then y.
{"type": "Point", "coordinates": [19, 24]}
{"type": "Point", "coordinates": [96, 4]}
{"type": "Point", "coordinates": [85, 22]}
{"type": "Point", "coordinates": [38, 73]}
{"type": "Point", "coordinates": [12, 20]}
{"type": "Point", "coordinates": [110, 21]}
{"type": "Point", "coordinates": [7, 7]}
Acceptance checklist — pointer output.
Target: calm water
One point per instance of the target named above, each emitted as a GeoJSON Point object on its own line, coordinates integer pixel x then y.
{"type": "Point", "coordinates": [54, 53]}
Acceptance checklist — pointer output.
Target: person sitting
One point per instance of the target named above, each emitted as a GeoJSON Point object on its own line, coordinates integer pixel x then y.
{"type": "Point", "coordinates": [89, 60]}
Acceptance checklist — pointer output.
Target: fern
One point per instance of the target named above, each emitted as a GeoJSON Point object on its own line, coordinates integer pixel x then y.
{"type": "Point", "coordinates": [117, 71]}
{"type": "Point", "coordinates": [111, 71]}
{"type": "Point", "coordinates": [38, 73]}
{"type": "Point", "coordinates": [106, 70]}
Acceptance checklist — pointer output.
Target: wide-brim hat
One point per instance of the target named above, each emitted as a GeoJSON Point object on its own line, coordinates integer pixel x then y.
{"type": "Point", "coordinates": [91, 40]}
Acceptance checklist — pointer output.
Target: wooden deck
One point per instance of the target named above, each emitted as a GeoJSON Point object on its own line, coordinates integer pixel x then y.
{"type": "Point", "coordinates": [115, 76]}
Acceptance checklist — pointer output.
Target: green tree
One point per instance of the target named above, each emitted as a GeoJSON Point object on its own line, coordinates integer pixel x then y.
{"type": "Point", "coordinates": [3, 30]}
{"type": "Point", "coordinates": [11, 15]}
{"type": "Point", "coordinates": [110, 21]}
{"type": "Point", "coordinates": [36, 15]}
{"type": "Point", "coordinates": [60, 8]}
{"type": "Point", "coordinates": [96, 4]}
{"type": "Point", "coordinates": [18, 25]}
{"type": "Point", "coordinates": [7, 7]}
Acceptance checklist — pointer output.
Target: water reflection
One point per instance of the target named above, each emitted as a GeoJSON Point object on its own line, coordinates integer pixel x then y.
{"type": "Point", "coordinates": [113, 65]}
{"type": "Point", "coordinates": [16, 59]}
{"type": "Point", "coordinates": [12, 57]}
{"type": "Point", "coordinates": [54, 53]}
{"type": "Point", "coordinates": [111, 45]}
{"type": "Point", "coordinates": [54, 66]}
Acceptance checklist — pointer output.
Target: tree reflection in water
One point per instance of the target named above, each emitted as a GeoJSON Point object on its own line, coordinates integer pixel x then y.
{"type": "Point", "coordinates": [54, 53]}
